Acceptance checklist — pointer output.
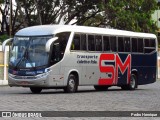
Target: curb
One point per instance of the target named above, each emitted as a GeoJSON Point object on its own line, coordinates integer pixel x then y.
{"type": "Point", "coordinates": [3, 82]}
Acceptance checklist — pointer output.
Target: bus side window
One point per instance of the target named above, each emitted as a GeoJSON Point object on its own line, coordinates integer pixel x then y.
{"type": "Point", "coordinates": [83, 42]}
{"type": "Point", "coordinates": [76, 42]}
{"type": "Point", "coordinates": [106, 43]}
{"type": "Point", "coordinates": [91, 43]}
{"type": "Point", "coordinates": [140, 45]}
{"type": "Point", "coordinates": [98, 40]}
{"type": "Point", "coordinates": [127, 44]}
{"type": "Point", "coordinates": [120, 44]}
{"type": "Point", "coordinates": [149, 45]}
{"type": "Point", "coordinates": [134, 45]}
{"type": "Point", "coordinates": [152, 43]}
{"type": "Point", "coordinates": [113, 43]}
{"type": "Point", "coordinates": [55, 52]}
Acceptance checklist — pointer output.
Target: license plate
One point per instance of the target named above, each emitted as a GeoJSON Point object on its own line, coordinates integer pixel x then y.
{"type": "Point", "coordinates": [24, 83]}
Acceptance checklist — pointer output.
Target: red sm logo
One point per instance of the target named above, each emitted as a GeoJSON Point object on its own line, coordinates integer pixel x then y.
{"type": "Point", "coordinates": [112, 64]}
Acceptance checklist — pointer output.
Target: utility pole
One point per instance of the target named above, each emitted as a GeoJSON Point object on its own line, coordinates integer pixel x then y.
{"type": "Point", "coordinates": [10, 20]}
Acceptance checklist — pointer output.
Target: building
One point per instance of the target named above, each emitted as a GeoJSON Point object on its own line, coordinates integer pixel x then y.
{"type": "Point", "coordinates": [156, 16]}
{"type": "Point", "coordinates": [0, 19]}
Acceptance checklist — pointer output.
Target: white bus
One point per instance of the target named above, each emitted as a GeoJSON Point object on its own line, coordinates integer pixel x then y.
{"type": "Point", "coordinates": [65, 56]}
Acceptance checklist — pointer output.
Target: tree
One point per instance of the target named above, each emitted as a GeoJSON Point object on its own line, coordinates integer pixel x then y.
{"type": "Point", "coordinates": [82, 10]}
{"type": "Point", "coordinates": [56, 11]}
{"type": "Point", "coordinates": [4, 21]}
{"type": "Point", "coordinates": [130, 15]}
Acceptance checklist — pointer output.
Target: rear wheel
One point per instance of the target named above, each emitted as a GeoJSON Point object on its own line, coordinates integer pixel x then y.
{"type": "Point", "coordinates": [101, 88]}
{"type": "Point", "coordinates": [35, 90]}
{"type": "Point", "coordinates": [72, 84]}
{"type": "Point", "coordinates": [132, 85]}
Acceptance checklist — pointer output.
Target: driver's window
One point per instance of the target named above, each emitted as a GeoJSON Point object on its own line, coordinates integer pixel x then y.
{"type": "Point", "coordinates": [59, 46]}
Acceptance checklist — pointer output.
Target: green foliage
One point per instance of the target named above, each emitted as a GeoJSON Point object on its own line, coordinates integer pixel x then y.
{"type": "Point", "coordinates": [133, 15]}
{"type": "Point", "coordinates": [3, 37]}
{"type": "Point", "coordinates": [54, 11]}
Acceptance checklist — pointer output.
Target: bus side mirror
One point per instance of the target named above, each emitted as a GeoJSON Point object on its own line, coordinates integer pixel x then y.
{"type": "Point", "coordinates": [49, 42]}
{"type": "Point", "coordinates": [5, 42]}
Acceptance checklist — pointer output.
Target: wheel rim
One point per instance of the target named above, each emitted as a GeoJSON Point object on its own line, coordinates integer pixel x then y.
{"type": "Point", "coordinates": [71, 84]}
{"type": "Point", "coordinates": [132, 82]}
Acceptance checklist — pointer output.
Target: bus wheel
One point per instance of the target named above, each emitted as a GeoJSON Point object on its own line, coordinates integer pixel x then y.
{"type": "Point", "coordinates": [132, 85]}
{"type": "Point", "coordinates": [101, 88]}
{"type": "Point", "coordinates": [72, 84]}
{"type": "Point", "coordinates": [35, 90]}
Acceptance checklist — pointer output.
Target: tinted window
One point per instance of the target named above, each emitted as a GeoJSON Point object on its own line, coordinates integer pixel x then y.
{"type": "Point", "coordinates": [91, 43]}
{"type": "Point", "coordinates": [120, 44]}
{"type": "Point", "coordinates": [134, 45]}
{"type": "Point", "coordinates": [106, 43]}
{"type": "Point", "coordinates": [98, 40]}
{"type": "Point", "coordinates": [58, 47]}
{"type": "Point", "coordinates": [149, 45]}
{"type": "Point", "coordinates": [140, 45]}
{"type": "Point", "coordinates": [152, 43]}
{"type": "Point", "coordinates": [83, 42]}
{"type": "Point", "coordinates": [127, 44]}
{"type": "Point", "coordinates": [113, 42]}
{"type": "Point", "coordinates": [76, 42]}
{"type": "Point", "coordinates": [63, 39]}
{"type": "Point", "coordinates": [147, 42]}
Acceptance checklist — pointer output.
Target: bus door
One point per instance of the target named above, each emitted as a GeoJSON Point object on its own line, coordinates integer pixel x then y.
{"type": "Point", "coordinates": [57, 53]}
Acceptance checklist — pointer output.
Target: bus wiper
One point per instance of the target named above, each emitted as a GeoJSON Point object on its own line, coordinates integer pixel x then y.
{"type": "Point", "coordinates": [25, 52]}
{"type": "Point", "coordinates": [26, 57]}
{"type": "Point", "coordinates": [18, 63]}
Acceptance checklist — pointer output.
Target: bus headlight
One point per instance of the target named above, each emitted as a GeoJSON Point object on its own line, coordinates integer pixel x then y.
{"type": "Point", "coordinates": [46, 72]}
{"type": "Point", "coordinates": [42, 75]}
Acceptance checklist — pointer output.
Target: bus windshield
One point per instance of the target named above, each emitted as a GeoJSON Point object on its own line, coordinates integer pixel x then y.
{"type": "Point", "coordinates": [29, 52]}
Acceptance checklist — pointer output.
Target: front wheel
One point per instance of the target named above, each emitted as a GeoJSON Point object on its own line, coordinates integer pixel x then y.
{"type": "Point", "coordinates": [132, 85]}
{"type": "Point", "coordinates": [35, 90]}
{"type": "Point", "coordinates": [72, 84]}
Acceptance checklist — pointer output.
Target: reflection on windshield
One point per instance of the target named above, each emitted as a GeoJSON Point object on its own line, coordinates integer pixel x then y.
{"type": "Point", "coordinates": [29, 52]}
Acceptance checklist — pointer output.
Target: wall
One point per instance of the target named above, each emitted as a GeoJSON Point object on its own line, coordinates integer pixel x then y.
{"type": "Point", "coordinates": [156, 17]}
{"type": "Point", "coordinates": [2, 81]}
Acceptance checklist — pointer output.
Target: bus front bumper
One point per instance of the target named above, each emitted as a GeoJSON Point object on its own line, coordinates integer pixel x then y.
{"type": "Point", "coordinates": [28, 81]}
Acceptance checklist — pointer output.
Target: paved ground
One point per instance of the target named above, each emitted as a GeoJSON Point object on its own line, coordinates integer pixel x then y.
{"type": "Point", "coordinates": [145, 98]}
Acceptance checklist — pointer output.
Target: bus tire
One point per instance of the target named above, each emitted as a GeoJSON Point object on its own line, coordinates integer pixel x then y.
{"type": "Point", "coordinates": [132, 85]}
{"type": "Point", "coordinates": [101, 88]}
{"type": "Point", "coordinates": [35, 90]}
{"type": "Point", "coordinates": [72, 84]}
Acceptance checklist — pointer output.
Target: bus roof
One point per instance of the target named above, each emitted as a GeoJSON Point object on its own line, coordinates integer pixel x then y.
{"type": "Point", "coordinates": [42, 30]}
